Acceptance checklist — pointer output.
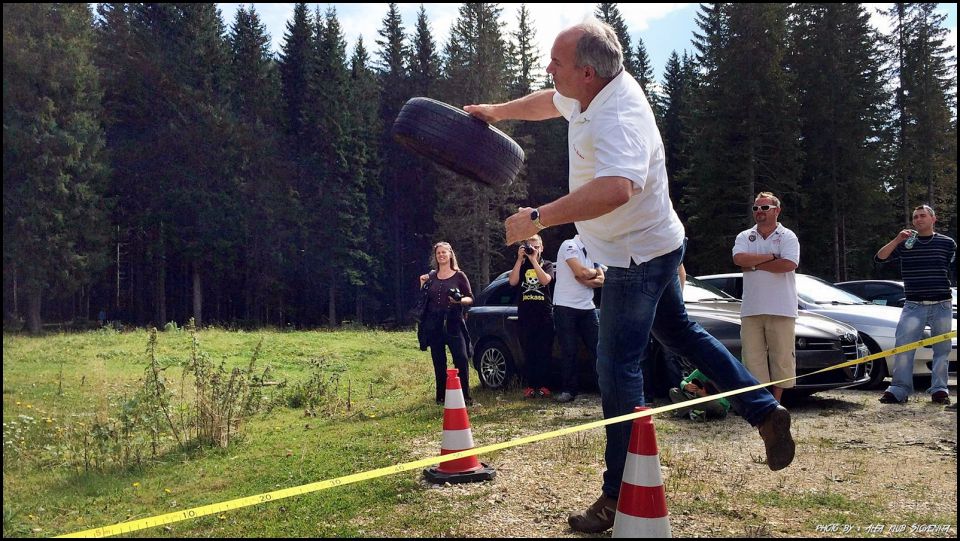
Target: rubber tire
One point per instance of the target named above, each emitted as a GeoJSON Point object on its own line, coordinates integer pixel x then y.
{"type": "Point", "coordinates": [454, 139]}
{"type": "Point", "coordinates": [877, 368]}
{"type": "Point", "coordinates": [494, 363]}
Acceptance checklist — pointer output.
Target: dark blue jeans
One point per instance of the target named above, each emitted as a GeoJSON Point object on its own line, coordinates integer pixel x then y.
{"type": "Point", "coordinates": [574, 325]}
{"type": "Point", "coordinates": [647, 298]}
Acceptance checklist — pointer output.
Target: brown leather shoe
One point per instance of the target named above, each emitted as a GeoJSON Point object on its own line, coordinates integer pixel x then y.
{"type": "Point", "coordinates": [597, 518]}
{"type": "Point", "coordinates": [775, 431]}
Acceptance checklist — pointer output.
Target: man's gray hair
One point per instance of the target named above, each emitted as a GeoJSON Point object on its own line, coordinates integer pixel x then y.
{"type": "Point", "coordinates": [599, 47]}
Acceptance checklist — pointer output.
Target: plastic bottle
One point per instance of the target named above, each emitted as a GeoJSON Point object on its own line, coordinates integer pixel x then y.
{"type": "Point", "coordinates": [911, 240]}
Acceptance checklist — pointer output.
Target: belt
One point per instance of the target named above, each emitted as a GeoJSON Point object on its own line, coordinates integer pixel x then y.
{"type": "Point", "coordinates": [928, 302]}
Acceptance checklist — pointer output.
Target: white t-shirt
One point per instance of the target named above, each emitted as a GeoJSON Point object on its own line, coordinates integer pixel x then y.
{"type": "Point", "coordinates": [567, 290]}
{"type": "Point", "coordinates": [764, 292]}
{"type": "Point", "coordinates": [617, 136]}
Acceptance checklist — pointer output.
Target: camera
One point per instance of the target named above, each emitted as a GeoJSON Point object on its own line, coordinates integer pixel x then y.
{"type": "Point", "coordinates": [455, 294]}
{"type": "Point", "coordinates": [527, 249]}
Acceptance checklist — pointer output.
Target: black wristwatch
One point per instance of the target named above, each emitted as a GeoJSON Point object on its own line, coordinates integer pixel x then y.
{"type": "Point", "coordinates": [535, 216]}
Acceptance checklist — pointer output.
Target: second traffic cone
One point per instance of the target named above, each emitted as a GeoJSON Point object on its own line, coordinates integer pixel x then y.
{"type": "Point", "coordinates": [642, 507]}
{"type": "Point", "coordinates": [457, 437]}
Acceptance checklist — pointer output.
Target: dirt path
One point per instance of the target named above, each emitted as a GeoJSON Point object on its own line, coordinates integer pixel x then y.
{"type": "Point", "coordinates": [862, 468]}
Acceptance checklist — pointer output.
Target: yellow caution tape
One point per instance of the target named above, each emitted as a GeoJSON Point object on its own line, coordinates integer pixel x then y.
{"type": "Point", "coordinates": [169, 518]}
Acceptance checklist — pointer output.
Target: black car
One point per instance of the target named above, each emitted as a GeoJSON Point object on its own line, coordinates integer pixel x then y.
{"type": "Point", "coordinates": [821, 342]}
{"type": "Point", "coordinates": [883, 292]}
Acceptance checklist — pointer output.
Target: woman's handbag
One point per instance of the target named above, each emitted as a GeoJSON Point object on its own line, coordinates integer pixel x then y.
{"type": "Point", "coordinates": [420, 309]}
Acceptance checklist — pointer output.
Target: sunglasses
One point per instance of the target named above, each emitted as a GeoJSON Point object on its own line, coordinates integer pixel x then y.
{"type": "Point", "coordinates": [764, 207]}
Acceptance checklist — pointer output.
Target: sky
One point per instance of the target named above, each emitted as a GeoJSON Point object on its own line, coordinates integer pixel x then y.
{"type": "Point", "coordinates": [663, 27]}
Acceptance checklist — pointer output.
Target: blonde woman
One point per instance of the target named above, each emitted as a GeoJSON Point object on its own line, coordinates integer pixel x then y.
{"type": "Point", "coordinates": [442, 326]}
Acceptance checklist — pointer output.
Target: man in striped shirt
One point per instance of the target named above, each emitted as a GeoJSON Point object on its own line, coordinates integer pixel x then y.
{"type": "Point", "coordinates": [925, 260]}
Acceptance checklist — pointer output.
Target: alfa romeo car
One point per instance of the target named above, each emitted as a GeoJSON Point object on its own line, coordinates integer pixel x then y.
{"type": "Point", "coordinates": [877, 325]}
{"type": "Point", "coordinates": [821, 342]}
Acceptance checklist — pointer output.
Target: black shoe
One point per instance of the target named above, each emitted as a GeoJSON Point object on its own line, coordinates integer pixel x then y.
{"type": "Point", "coordinates": [468, 401]}
{"type": "Point", "coordinates": [940, 397]}
{"type": "Point", "coordinates": [439, 401]}
{"type": "Point", "coordinates": [889, 398]}
{"type": "Point", "coordinates": [775, 432]}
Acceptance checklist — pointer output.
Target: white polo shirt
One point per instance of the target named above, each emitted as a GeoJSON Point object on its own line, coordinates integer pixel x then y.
{"type": "Point", "coordinates": [617, 136]}
{"type": "Point", "coordinates": [764, 292]}
{"type": "Point", "coordinates": [567, 290]}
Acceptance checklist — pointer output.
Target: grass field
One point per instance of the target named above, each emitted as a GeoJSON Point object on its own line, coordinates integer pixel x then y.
{"type": "Point", "coordinates": [76, 454]}
{"type": "Point", "coordinates": [61, 384]}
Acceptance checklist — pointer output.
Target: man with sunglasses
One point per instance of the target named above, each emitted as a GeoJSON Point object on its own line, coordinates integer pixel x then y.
{"type": "Point", "coordinates": [925, 258]}
{"type": "Point", "coordinates": [769, 254]}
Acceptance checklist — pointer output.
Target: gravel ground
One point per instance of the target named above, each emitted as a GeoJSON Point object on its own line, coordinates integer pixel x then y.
{"type": "Point", "coordinates": [862, 468]}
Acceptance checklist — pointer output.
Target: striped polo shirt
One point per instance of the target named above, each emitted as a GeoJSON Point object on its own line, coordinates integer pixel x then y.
{"type": "Point", "coordinates": [925, 268]}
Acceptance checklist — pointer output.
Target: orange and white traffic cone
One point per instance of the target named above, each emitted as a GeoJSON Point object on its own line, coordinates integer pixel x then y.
{"type": "Point", "coordinates": [457, 437]}
{"type": "Point", "coordinates": [642, 507]}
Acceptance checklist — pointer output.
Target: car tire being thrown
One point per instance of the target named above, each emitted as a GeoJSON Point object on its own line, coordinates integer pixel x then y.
{"type": "Point", "coordinates": [452, 138]}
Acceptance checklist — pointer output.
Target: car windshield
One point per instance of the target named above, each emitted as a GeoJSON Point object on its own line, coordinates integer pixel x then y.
{"type": "Point", "coordinates": [814, 290]}
{"type": "Point", "coordinates": [700, 291]}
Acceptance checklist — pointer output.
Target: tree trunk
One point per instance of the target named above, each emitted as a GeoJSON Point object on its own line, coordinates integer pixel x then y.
{"type": "Point", "coordinates": [160, 301]}
{"type": "Point", "coordinates": [332, 305]}
{"type": "Point", "coordinates": [197, 297]}
{"type": "Point", "coordinates": [33, 310]}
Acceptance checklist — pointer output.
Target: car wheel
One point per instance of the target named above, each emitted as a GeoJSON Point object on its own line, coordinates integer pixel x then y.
{"type": "Point", "coordinates": [876, 369]}
{"type": "Point", "coordinates": [495, 365]}
{"type": "Point", "coordinates": [458, 141]}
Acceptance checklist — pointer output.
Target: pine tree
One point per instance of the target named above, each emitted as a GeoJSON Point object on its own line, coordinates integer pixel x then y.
{"type": "Point", "coordinates": [924, 107]}
{"type": "Point", "coordinates": [364, 159]}
{"type": "Point", "coordinates": [836, 66]}
{"type": "Point", "coordinates": [746, 138]}
{"type": "Point", "coordinates": [524, 62]}
{"type": "Point", "coordinates": [647, 81]}
{"type": "Point", "coordinates": [264, 174]}
{"type": "Point", "coordinates": [54, 169]}
{"type": "Point", "coordinates": [678, 90]}
{"type": "Point", "coordinates": [339, 222]}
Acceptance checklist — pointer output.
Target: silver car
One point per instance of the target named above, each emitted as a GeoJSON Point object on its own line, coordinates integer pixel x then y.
{"type": "Point", "coordinates": [876, 324]}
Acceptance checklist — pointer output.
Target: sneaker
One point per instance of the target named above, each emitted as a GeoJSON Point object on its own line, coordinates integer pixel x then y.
{"type": "Point", "coordinates": [941, 397]}
{"type": "Point", "coordinates": [543, 392]}
{"type": "Point", "coordinates": [951, 407]}
{"type": "Point", "coordinates": [564, 397]}
{"type": "Point", "coordinates": [529, 392]}
{"type": "Point", "coordinates": [775, 432]}
{"type": "Point", "coordinates": [439, 401]}
{"type": "Point", "coordinates": [889, 398]}
{"type": "Point", "coordinates": [597, 518]}
{"type": "Point", "coordinates": [468, 401]}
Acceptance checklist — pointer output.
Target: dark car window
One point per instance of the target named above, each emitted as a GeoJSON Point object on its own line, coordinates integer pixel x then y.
{"type": "Point", "coordinates": [856, 289]}
{"type": "Point", "coordinates": [882, 290]}
{"type": "Point", "coordinates": [697, 290]}
{"type": "Point", "coordinates": [502, 295]}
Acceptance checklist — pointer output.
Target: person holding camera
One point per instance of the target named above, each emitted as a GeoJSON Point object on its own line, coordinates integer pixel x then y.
{"type": "Point", "coordinates": [534, 315]}
{"type": "Point", "coordinates": [448, 291]}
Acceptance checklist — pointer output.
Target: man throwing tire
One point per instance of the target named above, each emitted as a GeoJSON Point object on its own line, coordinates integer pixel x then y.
{"type": "Point", "coordinates": [619, 201]}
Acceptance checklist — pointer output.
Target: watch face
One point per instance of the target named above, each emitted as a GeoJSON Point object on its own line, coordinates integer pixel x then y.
{"type": "Point", "coordinates": [535, 215]}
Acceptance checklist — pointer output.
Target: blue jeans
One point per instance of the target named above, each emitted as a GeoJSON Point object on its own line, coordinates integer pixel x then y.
{"type": "Point", "coordinates": [639, 300]}
{"type": "Point", "coordinates": [913, 319]}
{"type": "Point", "coordinates": [573, 325]}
